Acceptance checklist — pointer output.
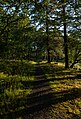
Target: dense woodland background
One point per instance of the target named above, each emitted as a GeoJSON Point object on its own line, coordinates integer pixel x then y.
{"type": "Point", "coordinates": [41, 30]}
{"type": "Point", "coordinates": [40, 48]}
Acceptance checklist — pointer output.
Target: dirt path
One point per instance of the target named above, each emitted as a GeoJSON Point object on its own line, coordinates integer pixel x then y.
{"type": "Point", "coordinates": [40, 97]}
{"type": "Point", "coordinates": [39, 102]}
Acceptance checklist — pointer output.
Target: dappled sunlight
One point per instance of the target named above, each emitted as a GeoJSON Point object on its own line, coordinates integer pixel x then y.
{"type": "Point", "coordinates": [47, 90]}
{"type": "Point", "coordinates": [15, 85]}
{"type": "Point", "coordinates": [17, 67]}
{"type": "Point", "coordinates": [43, 62]}
{"type": "Point", "coordinates": [12, 91]}
{"type": "Point", "coordinates": [32, 62]}
{"type": "Point", "coordinates": [2, 75]}
{"type": "Point", "coordinates": [66, 90]}
{"type": "Point", "coordinates": [61, 86]}
{"type": "Point", "coordinates": [59, 64]}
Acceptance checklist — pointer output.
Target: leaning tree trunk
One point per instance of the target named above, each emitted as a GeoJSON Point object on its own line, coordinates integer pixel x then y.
{"type": "Point", "coordinates": [72, 65]}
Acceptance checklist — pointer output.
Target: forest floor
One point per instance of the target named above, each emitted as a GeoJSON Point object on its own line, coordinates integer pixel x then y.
{"type": "Point", "coordinates": [50, 92]}
{"type": "Point", "coordinates": [56, 93]}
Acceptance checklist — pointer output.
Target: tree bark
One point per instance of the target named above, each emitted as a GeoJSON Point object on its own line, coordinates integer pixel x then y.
{"type": "Point", "coordinates": [48, 50]}
{"type": "Point", "coordinates": [65, 40]}
{"type": "Point", "coordinates": [47, 32]}
{"type": "Point", "coordinates": [72, 65]}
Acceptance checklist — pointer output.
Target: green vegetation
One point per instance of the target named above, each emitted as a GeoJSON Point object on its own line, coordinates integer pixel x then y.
{"type": "Point", "coordinates": [40, 44]}
{"type": "Point", "coordinates": [15, 84]}
{"type": "Point", "coordinates": [17, 95]}
{"type": "Point", "coordinates": [66, 88]}
{"type": "Point", "coordinates": [41, 30]}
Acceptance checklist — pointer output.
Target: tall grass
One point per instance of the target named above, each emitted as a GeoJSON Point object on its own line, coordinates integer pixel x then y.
{"type": "Point", "coordinates": [15, 84]}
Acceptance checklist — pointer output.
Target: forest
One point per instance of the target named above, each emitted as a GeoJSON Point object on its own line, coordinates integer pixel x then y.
{"type": "Point", "coordinates": [40, 59]}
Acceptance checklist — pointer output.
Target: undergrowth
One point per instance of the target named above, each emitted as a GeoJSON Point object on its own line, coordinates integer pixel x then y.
{"type": "Point", "coordinates": [15, 85]}
{"type": "Point", "coordinates": [66, 88]}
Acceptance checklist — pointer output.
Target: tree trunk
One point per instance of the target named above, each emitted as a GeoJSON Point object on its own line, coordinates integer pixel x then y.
{"type": "Point", "coordinates": [65, 40]}
{"type": "Point", "coordinates": [65, 47]}
{"type": "Point", "coordinates": [48, 53]}
{"type": "Point", "coordinates": [72, 65]}
{"type": "Point", "coordinates": [47, 30]}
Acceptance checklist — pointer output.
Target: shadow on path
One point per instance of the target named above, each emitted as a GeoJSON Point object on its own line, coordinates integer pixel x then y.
{"type": "Point", "coordinates": [41, 94]}
{"type": "Point", "coordinates": [42, 97]}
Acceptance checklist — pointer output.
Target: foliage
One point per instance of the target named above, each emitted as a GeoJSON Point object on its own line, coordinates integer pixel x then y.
{"type": "Point", "coordinates": [42, 29]}
{"type": "Point", "coordinates": [74, 45]}
{"type": "Point", "coordinates": [15, 85]}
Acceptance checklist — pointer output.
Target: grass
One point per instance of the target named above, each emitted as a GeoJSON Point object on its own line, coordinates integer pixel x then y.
{"type": "Point", "coordinates": [61, 89]}
{"type": "Point", "coordinates": [15, 85]}
{"type": "Point", "coordinates": [66, 88]}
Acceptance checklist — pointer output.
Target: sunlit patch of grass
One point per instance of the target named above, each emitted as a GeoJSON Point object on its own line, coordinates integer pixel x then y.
{"type": "Point", "coordinates": [78, 103]}
{"type": "Point", "coordinates": [43, 62]}
{"type": "Point", "coordinates": [65, 84]}
{"type": "Point", "coordinates": [18, 93]}
{"type": "Point", "coordinates": [32, 62]}
{"type": "Point", "coordinates": [77, 66]}
{"type": "Point", "coordinates": [58, 64]}
{"type": "Point", "coordinates": [2, 75]}
{"type": "Point", "coordinates": [62, 85]}
{"type": "Point", "coordinates": [17, 67]}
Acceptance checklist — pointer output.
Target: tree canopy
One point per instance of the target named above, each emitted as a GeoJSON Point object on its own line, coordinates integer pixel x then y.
{"type": "Point", "coordinates": [41, 29]}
